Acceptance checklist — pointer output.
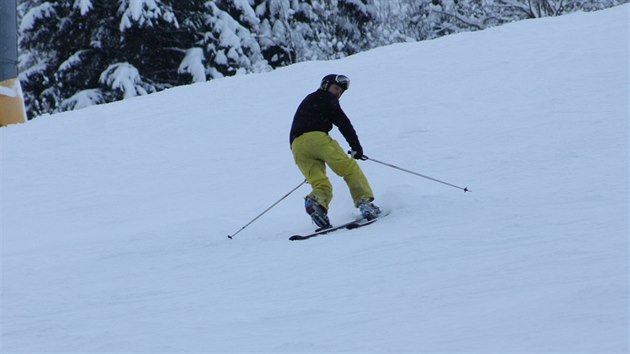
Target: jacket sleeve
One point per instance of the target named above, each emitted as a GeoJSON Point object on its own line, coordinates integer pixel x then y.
{"type": "Point", "coordinates": [342, 122]}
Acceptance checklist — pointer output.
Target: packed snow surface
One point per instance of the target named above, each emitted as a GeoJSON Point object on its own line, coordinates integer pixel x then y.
{"type": "Point", "coordinates": [115, 217]}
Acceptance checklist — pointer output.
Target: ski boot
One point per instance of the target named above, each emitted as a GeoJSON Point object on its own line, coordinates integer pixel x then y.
{"type": "Point", "coordinates": [317, 213]}
{"type": "Point", "coordinates": [368, 210]}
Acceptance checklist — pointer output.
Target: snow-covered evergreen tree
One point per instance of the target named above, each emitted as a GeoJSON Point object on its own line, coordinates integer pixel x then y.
{"type": "Point", "coordinates": [275, 31]}
{"type": "Point", "coordinates": [451, 16]}
{"type": "Point", "coordinates": [230, 38]}
{"type": "Point", "coordinates": [79, 52]}
{"type": "Point", "coordinates": [120, 48]}
{"type": "Point", "coordinates": [67, 47]}
{"type": "Point", "coordinates": [36, 59]}
{"type": "Point", "coordinates": [145, 52]}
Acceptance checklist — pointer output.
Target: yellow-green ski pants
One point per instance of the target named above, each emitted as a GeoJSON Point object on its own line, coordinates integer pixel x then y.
{"type": "Point", "coordinates": [312, 151]}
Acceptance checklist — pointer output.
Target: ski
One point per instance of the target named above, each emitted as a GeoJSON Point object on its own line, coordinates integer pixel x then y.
{"type": "Point", "coordinates": [354, 224]}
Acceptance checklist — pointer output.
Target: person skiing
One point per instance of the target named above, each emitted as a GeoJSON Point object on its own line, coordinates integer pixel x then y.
{"type": "Point", "coordinates": [313, 149]}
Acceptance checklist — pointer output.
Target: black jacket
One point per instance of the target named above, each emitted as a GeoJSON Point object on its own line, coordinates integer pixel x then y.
{"type": "Point", "coordinates": [318, 112]}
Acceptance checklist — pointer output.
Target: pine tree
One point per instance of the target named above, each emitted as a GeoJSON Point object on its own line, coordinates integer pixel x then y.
{"type": "Point", "coordinates": [274, 32]}
{"type": "Point", "coordinates": [146, 45]}
{"type": "Point", "coordinates": [37, 62]}
{"type": "Point", "coordinates": [229, 38]}
{"type": "Point", "coordinates": [82, 52]}
{"type": "Point", "coordinates": [71, 47]}
{"type": "Point", "coordinates": [85, 52]}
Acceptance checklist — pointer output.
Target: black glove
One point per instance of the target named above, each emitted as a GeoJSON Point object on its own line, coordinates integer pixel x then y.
{"type": "Point", "coordinates": [357, 154]}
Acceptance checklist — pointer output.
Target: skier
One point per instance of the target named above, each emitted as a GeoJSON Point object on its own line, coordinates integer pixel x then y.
{"type": "Point", "coordinates": [313, 149]}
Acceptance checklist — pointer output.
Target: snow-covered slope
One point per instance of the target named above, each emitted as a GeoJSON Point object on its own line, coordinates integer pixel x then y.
{"type": "Point", "coordinates": [115, 217]}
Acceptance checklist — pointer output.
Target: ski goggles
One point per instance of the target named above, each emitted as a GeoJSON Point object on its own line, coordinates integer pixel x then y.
{"type": "Point", "coordinates": [342, 81]}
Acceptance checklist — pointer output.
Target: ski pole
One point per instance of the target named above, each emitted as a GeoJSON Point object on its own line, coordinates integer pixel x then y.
{"type": "Point", "coordinates": [465, 189]}
{"type": "Point", "coordinates": [266, 210]}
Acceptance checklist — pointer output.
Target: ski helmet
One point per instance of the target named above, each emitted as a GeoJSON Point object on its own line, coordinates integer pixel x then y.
{"type": "Point", "coordinates": [334, 79]}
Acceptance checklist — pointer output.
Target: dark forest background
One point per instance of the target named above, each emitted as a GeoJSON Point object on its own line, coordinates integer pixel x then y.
{"type": "Point", "coordinates": [76, 53]}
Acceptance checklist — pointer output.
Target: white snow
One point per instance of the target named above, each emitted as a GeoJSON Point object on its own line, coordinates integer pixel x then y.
{"type": "Point", "coordinates": [143, 13]}
{"type": "Point", "coordinates": [115, 217]}
{"type": "Point", "coordinates": [248, 14]}
{"type": "Point", "coordinates": [193, 64]}
{"type": "Point", "coordinates": [41, 11]}
{"type": "Point", "coordinates": [9, 91]}
{"type": "Point", "coordinates": [124, 77]}
{"type": "Point", "coordinates": [72, 61]}
{"type": "Point", "coordinates": [83, 99]}
{"type": "Point", "coordinates": [84, 6]}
